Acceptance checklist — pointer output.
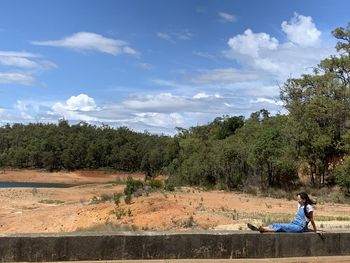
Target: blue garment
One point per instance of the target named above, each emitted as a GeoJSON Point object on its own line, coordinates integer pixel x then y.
{"type": "Point", "coordinates": [299, 224]}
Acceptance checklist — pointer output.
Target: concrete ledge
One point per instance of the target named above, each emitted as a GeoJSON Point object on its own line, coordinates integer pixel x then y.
{"type": "Point", "coordinates": [169, 245]}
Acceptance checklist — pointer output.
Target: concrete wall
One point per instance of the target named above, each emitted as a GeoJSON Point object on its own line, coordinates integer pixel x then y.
{"type": "Point", "coordinates": [167, 245]}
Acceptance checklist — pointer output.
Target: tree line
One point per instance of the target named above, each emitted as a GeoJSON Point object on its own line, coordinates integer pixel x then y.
{"type": "Point", "coordinates": [230, 152]}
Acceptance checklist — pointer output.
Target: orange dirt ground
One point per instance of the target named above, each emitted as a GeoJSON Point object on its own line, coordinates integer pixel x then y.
{"type": "Point", "coordinates": [34, 210]}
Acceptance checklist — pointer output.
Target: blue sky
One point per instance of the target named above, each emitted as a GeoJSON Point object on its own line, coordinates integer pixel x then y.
{"type": "Point", "coordinates": [155, 65]}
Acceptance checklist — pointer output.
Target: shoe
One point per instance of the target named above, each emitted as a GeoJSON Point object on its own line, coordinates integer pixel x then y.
{"type": "Point", "coordinates": [252, 227]}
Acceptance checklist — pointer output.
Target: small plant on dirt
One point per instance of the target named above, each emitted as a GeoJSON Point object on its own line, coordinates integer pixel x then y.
{"type": "Point", "coordinates": [132, 186]}
{"type": "Point", "coordinates": [268, 206]}
{"type": "Point", "coordinates": [189, 222]}
{"type": "Point", "coordinates": [116, 198]}
{"type": "Point", "coordinates": [120, 213]}
{"type": "Point", "coordinates": [105, 198]}
{"type": "Point", "coordinates": [94, 200]}
{"type": "Point", "coordinates": [129, 212]}
{"type": "Point", "coordinates": [128, 199]}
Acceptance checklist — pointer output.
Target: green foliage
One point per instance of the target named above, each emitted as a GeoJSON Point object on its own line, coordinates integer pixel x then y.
{"type": "Point", "coordinates": [342, 174]}
{"type": "Point", "coordinates": [128, 199]}
{"type": "Point", "coordinates": [82, 146]}
{"type": "Point", "coordinates": [132, 186]}
{"type": "Point", "coordinates": [116, 198]}
{"type": "Point", "coordinates": [155, 184]}
{"type": "Point", "coordinates": [230, 152]}
{"type": "Point", "coordinates": [169, 186]}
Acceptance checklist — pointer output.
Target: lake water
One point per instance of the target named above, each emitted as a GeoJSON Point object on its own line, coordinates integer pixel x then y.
{"type": "Point", "coordinates": [33, 185]}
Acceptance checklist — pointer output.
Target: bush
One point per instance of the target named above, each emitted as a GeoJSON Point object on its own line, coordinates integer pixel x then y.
{"type": "Point", "coordinates": [169, 186]}
{"type": "Point", "coordinates": [116, 198]}
{"type": "Point", "coordinates": [156, 184]}
{"type": "Point", "coordinates": [132, 186]}
{"type": "Point", "coordinates": [127, 199]}
{"type": "Point", "coordinates": [106, 197]}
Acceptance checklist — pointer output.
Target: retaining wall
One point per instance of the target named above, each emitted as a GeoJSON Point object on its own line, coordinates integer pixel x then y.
{"type": "Point", "coordinates": [168, 245]}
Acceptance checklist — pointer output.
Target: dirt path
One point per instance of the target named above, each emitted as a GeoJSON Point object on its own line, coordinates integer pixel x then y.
{"type": "Point", "coordinates": [25, 210]}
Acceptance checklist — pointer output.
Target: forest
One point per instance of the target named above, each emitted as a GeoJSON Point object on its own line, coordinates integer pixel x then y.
{"type": "Point", "coordinates": [231, 152]}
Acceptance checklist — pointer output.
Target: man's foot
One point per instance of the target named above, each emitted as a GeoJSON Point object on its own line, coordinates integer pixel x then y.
{"type": "Point", "coordinates": [252, 227]}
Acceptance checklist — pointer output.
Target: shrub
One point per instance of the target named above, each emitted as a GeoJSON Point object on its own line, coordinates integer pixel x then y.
{"type": "Point", "coordinates": [169, 186]}
{"type": "Point", "coordinates": [105, 197]}
{"type": "Point", "coordinates": [127, 199]}
{"type": "Point", "coordinates": [132, 186]}
{"type": "Point", "coordinates": [155, 184]}
{"type": "Point", "coordinates": [116, 198]}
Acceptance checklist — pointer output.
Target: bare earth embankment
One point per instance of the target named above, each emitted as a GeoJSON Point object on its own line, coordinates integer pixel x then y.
{"type": "Point", "coordinates": [25, 210]}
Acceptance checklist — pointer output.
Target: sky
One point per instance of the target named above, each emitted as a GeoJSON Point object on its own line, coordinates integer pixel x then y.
{"type": "Point", "coordinates": [158, 64]}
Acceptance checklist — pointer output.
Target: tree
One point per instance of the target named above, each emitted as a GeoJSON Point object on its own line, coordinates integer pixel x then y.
{"type": "Point", "coordinates": [319, 109]}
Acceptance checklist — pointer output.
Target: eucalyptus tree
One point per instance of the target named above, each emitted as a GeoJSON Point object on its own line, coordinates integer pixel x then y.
{"type": "Point", "coordinates": [319, 109]}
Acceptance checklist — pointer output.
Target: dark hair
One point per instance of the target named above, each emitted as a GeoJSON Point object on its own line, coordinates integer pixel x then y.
{"type": "Point", "coordinates": [308, 201]}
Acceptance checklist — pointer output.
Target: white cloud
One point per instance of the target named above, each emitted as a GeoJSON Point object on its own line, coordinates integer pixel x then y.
{"type": "Point", "coordinates": [160, 119]}
{"type": "Point", "coordinates": [24, 60]}
{"type": "Point", "coordinates": [22, 66]}
{"type": "Point", "coordinates": [223, 76]}
{"type": "Point", "coordinates": [17, 54]}
{"type": "Point", "coordinates": [183, 35]}
{"type": "Point", "coordinates": [251, 44]}
{"type": "Point", "coordinates": [165, 36]}
{"type": "Point", "coordinates": [75, 108]}
{"type": "Point", "coordinates": [145, 66]}
{"type": "Point", "coordinates": [227, 17]}
{"type": "Point", "coordinates": [204, 55]}
{"type": "Point", "coordinates": [266, 100]}
{"type": "Point", "coordinates": [16, 78]}
{"type": "Point", "coordinates": [81, 102]}
{"type": "Point", "coordinates": [266, 56]}
{"type": "Point", "coordinates": [163, 102]}
{"type": "Point", "coordinates": [173, 36]}
{"type": "Point", "coordinates": [91, 42]}
{"type": "Point", "coordinates": [301, 30]}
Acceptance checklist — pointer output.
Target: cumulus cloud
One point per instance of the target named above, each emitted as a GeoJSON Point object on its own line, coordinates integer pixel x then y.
{"type": "Point", "coordinates": [301, 30]}
{"type": "Point", "coordinates": [251, 44]}
{"type": "Point", "coordinates": [87, 41]}
{"type": "Point", "coordinates": [263, 53]}
{"type": "Point", "coordinates": [227, 17]}
{"type": "Point", "coordinates": [75, 108]}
